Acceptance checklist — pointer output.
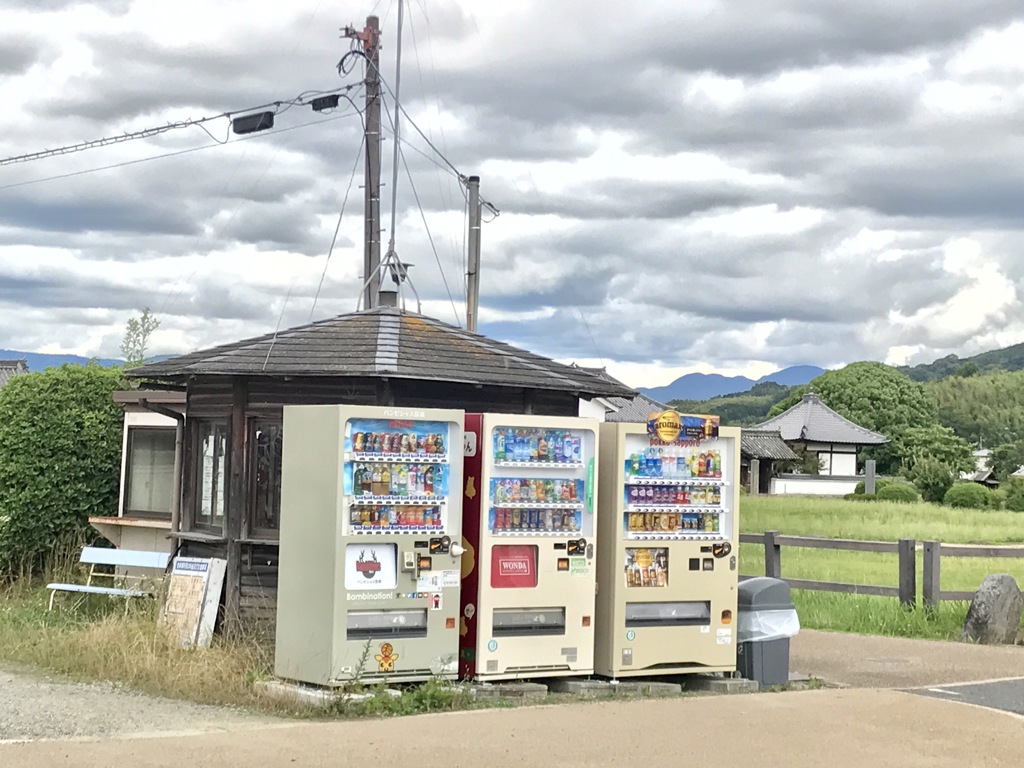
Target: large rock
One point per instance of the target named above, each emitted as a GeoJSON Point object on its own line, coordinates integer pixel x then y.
{"type": "Point", "coordinates": [994, 615]}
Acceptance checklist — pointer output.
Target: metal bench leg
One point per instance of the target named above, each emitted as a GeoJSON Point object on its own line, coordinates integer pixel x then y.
{"type": "Point", "coordinates": [53, 594]}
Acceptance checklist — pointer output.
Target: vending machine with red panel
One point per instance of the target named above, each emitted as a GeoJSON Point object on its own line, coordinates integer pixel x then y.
{"type": "Point", "coordinates": [529, 571]}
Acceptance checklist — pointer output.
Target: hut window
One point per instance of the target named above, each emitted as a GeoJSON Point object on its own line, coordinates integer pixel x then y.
{"type": "Point", "coordinates": [212, 467]}
{"type": "Point", "coordinates": [265, 461]}
{"type": "Point", "coordinates": [149, 468]}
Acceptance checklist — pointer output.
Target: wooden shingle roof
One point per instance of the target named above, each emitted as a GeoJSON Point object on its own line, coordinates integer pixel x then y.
{"type": "Point", "coordinates": [384, 342]}
{"type": "Point", "coordinates": [765, 444]}
{"type": "Point", "coordinates": [812, 421]}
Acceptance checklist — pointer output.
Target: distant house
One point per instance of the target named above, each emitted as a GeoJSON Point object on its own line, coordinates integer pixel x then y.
{"type": "Point", "coordinates": [982, 474]}
{"type": "Point", "coordinates": [759, 450]}
{"type": "Point", "coordinates": [10, 368]}
{"type": "Point", "coordinates": [812, 426]}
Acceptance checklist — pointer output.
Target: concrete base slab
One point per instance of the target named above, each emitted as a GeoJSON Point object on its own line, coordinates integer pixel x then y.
{"type": "Point", "coordinates": [585, 688]}
{"type": "Point", "coordinates": [311, 695]}
{"type": "Point", "coordinates": [712, 684]}
{"type": "Point", "coordinates": [509, 690]}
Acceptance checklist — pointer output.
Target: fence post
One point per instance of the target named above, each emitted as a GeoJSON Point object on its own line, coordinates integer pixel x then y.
{"type": "Point", "coordinates": [930, 585]}
{"type": "Point", "coordinates": [907, 550]}
{"type": "Point", "coordinates": [772, 555]}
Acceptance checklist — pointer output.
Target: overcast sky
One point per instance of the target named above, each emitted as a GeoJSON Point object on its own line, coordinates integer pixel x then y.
{"type": "Point", "coordinates": [732, 185]}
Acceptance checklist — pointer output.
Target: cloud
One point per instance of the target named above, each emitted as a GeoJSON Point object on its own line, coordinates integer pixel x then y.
{"type": "Point", "coordinates": [741, 185]}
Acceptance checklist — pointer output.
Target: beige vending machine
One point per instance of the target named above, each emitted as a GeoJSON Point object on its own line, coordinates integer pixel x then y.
{"type": "Point", "coordinates": [530, 568]}
{"type": "Point", "coordinates": [667, 567]}
{"type": "Point", "coordinates": [369, 573]}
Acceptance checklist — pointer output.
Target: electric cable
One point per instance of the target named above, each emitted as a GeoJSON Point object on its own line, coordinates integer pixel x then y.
{"type": "Point", "coordinates": [176, 153]}
{"type": "Point", "coordinates": [430, 238]}
{"type": "Point", "coordinates": [337, 228]}
{"type": "Point", "coordinates": [145, 133]}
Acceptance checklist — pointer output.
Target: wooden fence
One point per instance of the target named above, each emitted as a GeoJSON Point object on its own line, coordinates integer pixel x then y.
{"type": "Point", "coordinates": [906, 549]}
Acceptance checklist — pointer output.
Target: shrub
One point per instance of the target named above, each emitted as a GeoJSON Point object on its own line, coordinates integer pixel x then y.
{"type": "Point", "coordinates": [880, 483]}
{"type": "Point", "coordinates": [997, 498]}
{"type": "Point", "coordinates": [967, 495]}
{"type": "Point", "coordinates": [1015, 501]}
{"type": "Point", "coordinates": [932, 478]}
{"type": "Point", "coordinates": [60, 448]}
{"type": "Point", "coordinates": [906, 493]}
{"type": "Point", "coordinates": [859, 497]}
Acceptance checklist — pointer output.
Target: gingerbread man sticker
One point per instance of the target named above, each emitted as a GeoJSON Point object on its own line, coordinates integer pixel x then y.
{"type": "Point", "coordinates": [386, 658]}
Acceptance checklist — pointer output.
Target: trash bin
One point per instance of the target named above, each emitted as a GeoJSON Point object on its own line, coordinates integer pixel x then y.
{"type": "Point", "coordinates": [767, 619]}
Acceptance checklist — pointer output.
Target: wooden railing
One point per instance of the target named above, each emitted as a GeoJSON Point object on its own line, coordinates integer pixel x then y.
{"type": "Point", "coordinates": [905, 549]}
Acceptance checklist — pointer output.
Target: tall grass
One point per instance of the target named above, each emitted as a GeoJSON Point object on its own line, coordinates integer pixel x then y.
{"type": "Point", "coordinates": [98, 640]}
{"type": "Point", "coordinates": [889, 521]}
{"type": "Point", "coordinates": [838, 518]}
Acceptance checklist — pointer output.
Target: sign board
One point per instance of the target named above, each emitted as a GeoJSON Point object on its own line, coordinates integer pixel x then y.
{"type": "Point", "coordinates": [193, 597]}
{"type": "Point", "coordinates": [371, 566]}
{"type": "Point", "coordinates": [513, 566]}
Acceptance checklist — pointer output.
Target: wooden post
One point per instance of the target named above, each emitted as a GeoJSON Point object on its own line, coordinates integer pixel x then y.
{"type": "Point", "coordinates": [930, 586]}
{"type": "Point", "coordinates": [236, 505]}
{"type": "Point", "coordinates": [908, 572]}
{"type": "Point", "coordinates": [772, 555]}
{"type": "Point", "coordinates": [755, 477]}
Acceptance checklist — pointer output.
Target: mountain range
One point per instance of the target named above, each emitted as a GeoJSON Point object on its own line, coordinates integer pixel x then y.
{"type": "Point", "coordinates": [703, 386]}
{"type": "Point", "coordinates": [37, 361]}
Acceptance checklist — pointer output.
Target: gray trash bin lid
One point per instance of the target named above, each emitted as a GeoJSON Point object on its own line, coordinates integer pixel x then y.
{"type": "Point", "coordinates": [764, 593]}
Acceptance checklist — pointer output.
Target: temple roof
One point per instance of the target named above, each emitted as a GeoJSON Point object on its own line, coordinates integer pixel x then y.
{"type": "Point", "coordinates": [757, 443]}
{"type": "Point", "coordinates": [811, 421]}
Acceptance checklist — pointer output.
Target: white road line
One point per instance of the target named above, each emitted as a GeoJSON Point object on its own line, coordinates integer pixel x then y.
{"type": "Point", "coordinates": [942, 690]}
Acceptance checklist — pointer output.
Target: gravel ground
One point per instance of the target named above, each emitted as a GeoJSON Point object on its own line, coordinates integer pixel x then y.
{"type": "Point", "coordinates": [34, 707]}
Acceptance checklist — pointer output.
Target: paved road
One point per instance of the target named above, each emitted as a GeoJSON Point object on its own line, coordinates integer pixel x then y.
{"type": "Point", "coordinates": [1004, 695]}
{"type": "Point", "coordinates": [863, 661]}
{"type": "Point", "coordinates": [868, 723]}
{"type": "Point", "coordinates": [839, 728]}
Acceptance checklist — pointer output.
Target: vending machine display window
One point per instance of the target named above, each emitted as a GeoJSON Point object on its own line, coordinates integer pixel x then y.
{"type": "Point", "coordinates": [396, 477]}
{"type": "Point", "coordinates": [673, 491]}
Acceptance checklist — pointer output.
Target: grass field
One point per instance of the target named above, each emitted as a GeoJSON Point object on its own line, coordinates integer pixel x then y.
{"type": "Point", "coordinates": [837, 518]}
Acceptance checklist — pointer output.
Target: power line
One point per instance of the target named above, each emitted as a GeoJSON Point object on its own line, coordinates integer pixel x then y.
{"type": "Point", "coordinates": [145, 133]}
{"type": "Point", "coordinates": [337, 228]}
{"type": "Point", "coordinates": [171, 154]}
{"type": "Point", "coordinates": [430, 238]}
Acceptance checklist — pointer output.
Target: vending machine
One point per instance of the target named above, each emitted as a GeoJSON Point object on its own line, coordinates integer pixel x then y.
{"type": "Point", "coordinates": [370, 544]}
{"type": "Point", "coordinates": [530, 568]}
{"type": "Point", "coordinates": [668, 522]}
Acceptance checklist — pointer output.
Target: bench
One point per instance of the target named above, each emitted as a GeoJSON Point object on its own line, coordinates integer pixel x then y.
{"type": "Point", "coordinates": [118, 558]}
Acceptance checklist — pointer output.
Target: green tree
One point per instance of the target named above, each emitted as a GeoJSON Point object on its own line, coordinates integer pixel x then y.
{"type": "Point", "coordinates": [937, 442]}
{"type": "Point", "coordinates": [932, 478]}
{"type": "Point", "coordinates": [136, 338]}
{"type": "Point", "coordinates": [1006, 459]}
{"type": "Point", "coordinates": [60, 448]}
{"type": "Point", "coordinates": [874, 396]}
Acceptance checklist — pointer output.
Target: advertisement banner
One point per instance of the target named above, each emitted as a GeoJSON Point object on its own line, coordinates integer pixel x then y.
{"type": "Point", "coordinates": [371, 566]}
{"type": "Point", "coordinates": [513, 566]}
{"type": "Point", "coordinates": [647, 567]}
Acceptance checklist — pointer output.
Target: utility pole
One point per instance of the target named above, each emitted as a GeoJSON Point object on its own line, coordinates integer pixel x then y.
{"type": "Point", "coordinates": [473, 271]}
{"type": "Point", "coordinates": [370, 39]}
